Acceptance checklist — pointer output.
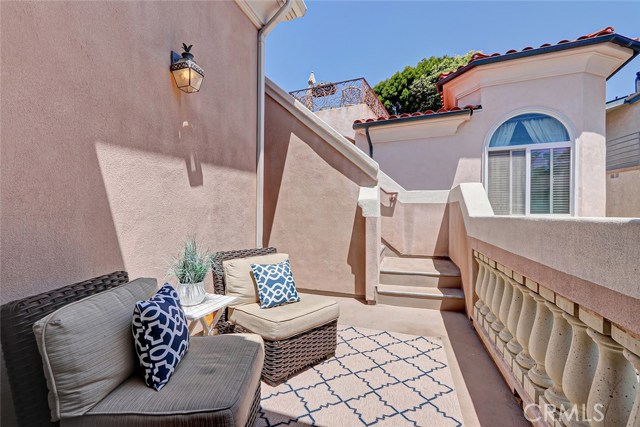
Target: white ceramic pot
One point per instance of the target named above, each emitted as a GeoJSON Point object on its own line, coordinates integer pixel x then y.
{"type": "Point", "coordinates": [191, 293]}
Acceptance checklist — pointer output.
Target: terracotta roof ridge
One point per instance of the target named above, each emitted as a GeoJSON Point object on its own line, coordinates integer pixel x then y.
{"type": "Point", "coordinates": [481, 55]}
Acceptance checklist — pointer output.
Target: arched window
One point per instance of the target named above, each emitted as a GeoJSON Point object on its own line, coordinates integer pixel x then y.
{"type": "Point", "coordinates": [529, 166]}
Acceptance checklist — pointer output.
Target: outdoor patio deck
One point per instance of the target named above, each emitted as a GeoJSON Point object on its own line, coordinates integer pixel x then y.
{"type": "Point", "coordinates": [482, 395]}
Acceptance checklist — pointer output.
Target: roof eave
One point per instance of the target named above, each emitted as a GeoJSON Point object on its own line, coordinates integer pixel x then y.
{"type": "Point", "coordinates": [403, 120]}
{"type": "Point", "coordinates": [613, 38]}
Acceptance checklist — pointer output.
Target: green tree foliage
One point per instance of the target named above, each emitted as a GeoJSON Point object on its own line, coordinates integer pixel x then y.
{"type": "Point", "coordinates": [414, 88]}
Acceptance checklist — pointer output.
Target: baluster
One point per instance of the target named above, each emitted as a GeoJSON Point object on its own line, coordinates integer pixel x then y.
{"type": "Point", "coordinates": [497, 291]}
{"type": "Point", "coordinates": [495, 325]}
{"type": "Point", "coordinates": [480, 284]}
{"type": "Point", "coordinates": [524, 362]}
{"type": "Point", "coordinates": [634, 418]}
{"type": "Point", "coordinates": [538, 342]}
{"type": "Point", "coordinates": [578, 373]}
{"type": "Point", "coordinates": [491, 284]}
{"type": "Point", "coordinates": [614, 385]}
{"type": "Point", "coordinates": [500, 325]}
{"type": "Point", "coordinates": [557, 353]}
{"type": "Point", "coordinates": [513, 347]}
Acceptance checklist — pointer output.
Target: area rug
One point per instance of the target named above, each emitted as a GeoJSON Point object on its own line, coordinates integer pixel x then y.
{"type": "Point", "coordinates": [376, 378]}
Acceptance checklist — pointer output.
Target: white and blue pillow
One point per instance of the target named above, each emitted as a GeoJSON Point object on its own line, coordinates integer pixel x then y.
{"type": "Point", "coordinates": [275, 284]}
{"type": "Point", "coordinates": [161, 335]}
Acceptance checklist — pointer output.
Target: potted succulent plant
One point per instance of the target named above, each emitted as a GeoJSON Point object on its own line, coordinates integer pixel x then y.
{"type": "Point", "coordinates": [191, 268]}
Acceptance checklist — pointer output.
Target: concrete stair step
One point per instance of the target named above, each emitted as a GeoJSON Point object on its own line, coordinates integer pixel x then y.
{"type": "Point", "coordinates": [447, 299]}
{"type": "Point", "coordinates": [420, 272]}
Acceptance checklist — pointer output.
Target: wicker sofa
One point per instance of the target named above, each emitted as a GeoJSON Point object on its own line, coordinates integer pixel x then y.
{"type": "Point", "coordinates": [314, 336]}
{"type": "Point", "coordinates": [91, 362]}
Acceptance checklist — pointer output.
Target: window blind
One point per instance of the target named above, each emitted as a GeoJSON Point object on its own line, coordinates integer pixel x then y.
{"type": "Point", "coordinates": [499, 182]}
{"type": "Point", "coordinates": [518, 182]}
{"type": "Point", "coordinates": [540, 199]}
{"type": "Point", "coordinates": [561, 180]}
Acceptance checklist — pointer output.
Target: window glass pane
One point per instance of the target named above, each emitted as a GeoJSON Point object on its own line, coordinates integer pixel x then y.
{"type": "Point", "coordinates": [540, 182]}
{"type": "Point", "coordinates": [561, 180]}
{"type": "Point", "coordinates": [518, 182]}
{"type": "Point", "coordinates": [529, 129]}
{"type": "Point", "coordinates": [498, 181]}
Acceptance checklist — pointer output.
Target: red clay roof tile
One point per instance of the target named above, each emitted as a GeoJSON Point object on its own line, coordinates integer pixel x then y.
{"type": "Point", "coordinates": [480, 55]}
{"type": "Point", "coordinates": [417, 114]}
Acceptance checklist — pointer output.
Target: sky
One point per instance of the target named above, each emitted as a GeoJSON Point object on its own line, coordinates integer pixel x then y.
{"type": "Point", "coordinates": [342, 40]}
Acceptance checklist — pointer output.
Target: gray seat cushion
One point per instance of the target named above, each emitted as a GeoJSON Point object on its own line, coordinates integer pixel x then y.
{"type": "Point", "coordinates": [213, 386]}
{"type": "Point", "coordinates": [87, 347]}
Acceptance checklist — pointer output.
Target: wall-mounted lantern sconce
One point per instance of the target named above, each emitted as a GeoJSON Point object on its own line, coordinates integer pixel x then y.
{"type": "Point", "coordinates": [186, 72]}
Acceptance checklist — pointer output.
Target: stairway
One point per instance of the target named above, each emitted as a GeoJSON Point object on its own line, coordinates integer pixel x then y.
{"type": "Point", "coordinates": [431, 283]}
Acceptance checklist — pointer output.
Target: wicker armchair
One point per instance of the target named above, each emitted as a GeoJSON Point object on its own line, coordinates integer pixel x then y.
{"type": "Point", "coordinates": [287, 356]}
{"type": "Point", "coordinates": [20, 351]}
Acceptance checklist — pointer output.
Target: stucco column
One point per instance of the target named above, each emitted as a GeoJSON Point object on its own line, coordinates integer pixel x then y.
{"type": "Point", "coordinates": [578, 373]}
{"type": "Point", "coordinates": [557, 353]}
{"type": "Point", "coordinates": [614, 385]}
{"type": "Point", "coordinates": [634, 418]}
{"type": "Point", "coordinates": [503, 315]}
{"type": "Point", "coordinates": [590, 150]}
{"type": "Point", "coordinates": [514, 316]}
{"type": "Point", "coordinates": [523, 333]}
{"type": "Point", "coordinates": [372, 256]}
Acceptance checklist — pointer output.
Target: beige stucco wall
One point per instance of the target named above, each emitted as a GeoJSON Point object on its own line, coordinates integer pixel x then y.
{"type": "Point", "coordinates": [418, 160]}
{"type": "Point", "coordinates": [105, 164]}
{"type": "Point", "coordinates": [413, 222]}
{"type": "Point", "coordinates": [623, 193]}
{"type": "Point", "coordinates": [623, 186]}
{"type": "Point", "coordinates": [416, 228]}
{"type": "Point", "coordinates": [311, 206]}
{"type": "Point", "coordinates": [341, 119]}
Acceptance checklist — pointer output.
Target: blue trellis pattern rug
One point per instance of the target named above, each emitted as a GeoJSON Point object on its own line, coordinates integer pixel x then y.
{"type": "Point", "coordinates": [377, 379]}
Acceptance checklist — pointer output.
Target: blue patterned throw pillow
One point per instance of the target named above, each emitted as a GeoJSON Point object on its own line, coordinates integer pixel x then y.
{"type": "Point", "coordinates": [161, 335]}
{"type": "Point", "coordinates": [275, 284]}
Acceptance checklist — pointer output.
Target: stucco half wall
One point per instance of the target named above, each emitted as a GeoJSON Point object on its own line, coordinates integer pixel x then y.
{"type": "Point", "coordinates": [590, 261]}
{"type": "Point", "coordinates": [311, 205]}
{"type": "Point", "coordinates": [106, 165]}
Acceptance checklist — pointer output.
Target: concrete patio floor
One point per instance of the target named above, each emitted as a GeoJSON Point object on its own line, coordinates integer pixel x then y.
{"type": "Point", "coordinates": [484, 397]}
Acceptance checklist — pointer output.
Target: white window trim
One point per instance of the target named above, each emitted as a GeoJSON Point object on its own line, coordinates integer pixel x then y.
{"type": "Point", "coordinates": [528, 147]}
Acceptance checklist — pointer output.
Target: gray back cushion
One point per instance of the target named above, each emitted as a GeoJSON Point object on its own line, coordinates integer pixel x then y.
{"type": "Point", "coordinates": [87, 347]}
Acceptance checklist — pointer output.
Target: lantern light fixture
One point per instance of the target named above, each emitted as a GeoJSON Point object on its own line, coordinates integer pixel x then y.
{"type": "Point", "coordinates": [186, 72]}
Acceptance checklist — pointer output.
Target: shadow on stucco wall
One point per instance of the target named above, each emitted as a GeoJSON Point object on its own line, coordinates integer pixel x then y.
{"type": "Point", "coordinates": [310, 206]}
{"type": "Point", "coordinates": [415, 229]}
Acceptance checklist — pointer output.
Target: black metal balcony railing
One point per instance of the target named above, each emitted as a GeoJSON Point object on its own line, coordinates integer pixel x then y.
{"type": "Point", "coordinates": [326, 96]}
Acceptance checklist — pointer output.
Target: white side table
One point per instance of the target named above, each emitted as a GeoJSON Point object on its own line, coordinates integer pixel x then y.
{"type": "Point", "coordinates": [212, 303]}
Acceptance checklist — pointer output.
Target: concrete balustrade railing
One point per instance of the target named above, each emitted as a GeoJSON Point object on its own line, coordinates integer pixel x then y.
{"type": "Point", "coordinates": [570, 366]}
